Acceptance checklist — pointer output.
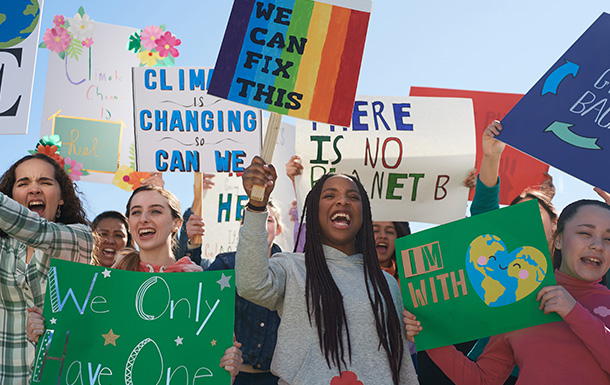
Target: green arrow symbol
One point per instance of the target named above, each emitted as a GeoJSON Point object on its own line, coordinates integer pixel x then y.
{"type": "Point", "coordinates": [562, 131]}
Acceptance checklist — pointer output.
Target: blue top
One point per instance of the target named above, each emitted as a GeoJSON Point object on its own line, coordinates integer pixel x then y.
{"type": "Point", "coordinates": [485, 198]}
{"type": "Point", "coordinates": [255, 326]}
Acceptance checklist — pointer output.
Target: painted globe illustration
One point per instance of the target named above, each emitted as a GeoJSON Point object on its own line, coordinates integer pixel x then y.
{"type": "Point", "coordinates": [18, 19]}
{"type": "Point", "coordinates": [501, 277]}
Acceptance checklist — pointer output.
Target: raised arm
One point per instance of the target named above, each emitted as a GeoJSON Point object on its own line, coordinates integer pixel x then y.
{"type": "Point", "coordinates": [258, 280]}
{"type": "Point", "coordinates": [487, 192]}
{"type": "Point", "coordinates": [69, 242]}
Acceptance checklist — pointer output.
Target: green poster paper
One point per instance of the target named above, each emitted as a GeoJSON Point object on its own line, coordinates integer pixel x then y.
{"type": "Point", "coordinates": [94, 143]}
{"type": "Point", "coordinates": [476, 277]}
{"type": "Point", "coordinates": [111, 326]}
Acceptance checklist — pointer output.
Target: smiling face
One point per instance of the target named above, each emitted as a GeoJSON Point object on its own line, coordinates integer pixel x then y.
{"type": "Point", "coordinates": [37, 189]}
{"type": "Point", "coordinates": [385, 235]}
{"type": "Point", "coordinates": [151, 223]}
{"type": "Point", "coordinates": [111, 237]}
{"type": "Point", "coordinates": [585, 244]}
{"type": "Point", "coordinates": [340, 213]}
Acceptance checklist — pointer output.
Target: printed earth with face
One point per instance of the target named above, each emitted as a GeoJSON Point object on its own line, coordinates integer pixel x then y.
{"type": "Point", "coordinates": [500, 277]}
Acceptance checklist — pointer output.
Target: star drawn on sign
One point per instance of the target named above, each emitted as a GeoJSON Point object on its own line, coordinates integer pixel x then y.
{"type": "Point", "coordinates": [106, 273]}
{"type": "Point", "coordinates": [110, 338]}
{"type": "Point", "coordinates": [53, 321]}
{"type": "Point", "coordinates": [178, 341]}
{"type": "Point", "coordinates": [224, 281]}
{"type": "Point", "coordinates": [213, 342]}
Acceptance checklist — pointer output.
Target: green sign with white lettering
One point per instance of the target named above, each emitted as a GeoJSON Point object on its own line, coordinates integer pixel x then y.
{"type": "Point", "coordinates": [120, 327]}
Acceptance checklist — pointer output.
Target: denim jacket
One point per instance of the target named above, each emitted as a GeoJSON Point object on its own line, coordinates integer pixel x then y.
{"type": "Point", "coordinates": [255, 326]}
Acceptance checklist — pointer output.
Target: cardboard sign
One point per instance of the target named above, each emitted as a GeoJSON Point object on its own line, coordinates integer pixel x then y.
{"type": "Point", "coordinates": [411, 155]}
{"type": "Point", "coordinates": [180, 128]}
{"type": "Point", "coordinates": [93, 83]}
{"type": "Point", "coordinates": [563, 120]}
{"type": "Point", "coordinates": [122, 327]}
{"type": "Point", "coordinates": [476, 277]}
{"type": "Point", "coordinates": [93, 142]}
{"type": "Point", "coordinates": [19, 31]}
{"type": "Point", "coordinates": [293, 57]}
{"type": "Point", "coordinates": [517, 170]}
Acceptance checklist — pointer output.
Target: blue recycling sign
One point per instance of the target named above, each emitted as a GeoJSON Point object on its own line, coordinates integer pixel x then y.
{"type": "Point", "coordinates": [564, 119]}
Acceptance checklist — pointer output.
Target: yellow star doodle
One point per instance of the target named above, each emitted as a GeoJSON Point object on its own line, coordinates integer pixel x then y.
{"type": "Point", "coordinates": [213, 342]}
{"type": "Point", "coordinates": [110, 338]}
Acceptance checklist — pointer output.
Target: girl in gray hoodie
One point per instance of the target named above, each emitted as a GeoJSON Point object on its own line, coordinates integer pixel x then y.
{"type": "Point", "coordinates": [339, 311]}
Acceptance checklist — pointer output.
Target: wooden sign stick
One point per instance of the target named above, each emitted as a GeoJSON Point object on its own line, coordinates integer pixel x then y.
{"type": "Point", "coordinates": [198, 202]}
{"type": "Point", "coordinates": [273, 128]}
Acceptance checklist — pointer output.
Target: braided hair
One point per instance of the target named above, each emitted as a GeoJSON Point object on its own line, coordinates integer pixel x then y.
{"type": "Point", "coordinates": [325, 300]}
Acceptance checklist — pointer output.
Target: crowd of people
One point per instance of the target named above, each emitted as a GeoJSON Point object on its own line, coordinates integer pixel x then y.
{"type": "Point", "coordinates": [330, 309]}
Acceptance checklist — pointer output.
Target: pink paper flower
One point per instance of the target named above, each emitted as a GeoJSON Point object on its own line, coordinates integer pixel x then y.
{"type": "Point", "coordinates": [149, 36]}
{"type": "Point", "coordinates": [73, 168]}
{"type": "Point", "coordinates": [59, 20]}
{"type": "Point", "coordinates": [57, 39]}
{"type": "Point", "coordinates": [88, 42]}
{"type": "Point", "coordinates": [166, 44]}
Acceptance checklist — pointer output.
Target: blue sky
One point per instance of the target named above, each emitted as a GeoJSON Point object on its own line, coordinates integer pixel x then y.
{"type": "Point", "coordinates": [501, 46]}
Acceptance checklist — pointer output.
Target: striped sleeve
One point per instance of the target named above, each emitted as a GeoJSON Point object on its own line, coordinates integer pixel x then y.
{"type": "Point", "coordinates": [69, 242]}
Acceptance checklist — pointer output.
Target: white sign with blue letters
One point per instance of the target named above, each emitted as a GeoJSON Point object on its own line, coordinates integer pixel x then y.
{"type": "Point", "coordinates": [180, 128]}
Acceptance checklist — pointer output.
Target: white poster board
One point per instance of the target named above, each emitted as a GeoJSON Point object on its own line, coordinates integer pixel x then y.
{"type": "Point", "coordinates": [18, 48]}
{"type": "Point", "coordinates": [222, 213]}
{"type": "Point", "coordinates": [180, 128]}
{"type": "Point", "coordinates": [410, 153]}
{"type": "Point", "coordinates": [95, 88]}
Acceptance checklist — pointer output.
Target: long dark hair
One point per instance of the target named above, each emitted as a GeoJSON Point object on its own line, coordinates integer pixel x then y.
{"type": "Point", "coordinates": [129, 259]}
{"type": "Point", "coordinates": [324, 299]}
{"type": "Point", "coordinates": [568, 213]}
{"type": "Point", "coordinates": [71, 211]}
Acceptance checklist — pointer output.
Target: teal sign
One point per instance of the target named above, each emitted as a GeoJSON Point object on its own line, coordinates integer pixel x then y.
{"type": "Point", "coordinates": [94, 143]}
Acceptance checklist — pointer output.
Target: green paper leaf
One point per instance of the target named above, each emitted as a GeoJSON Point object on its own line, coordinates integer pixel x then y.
{"type": "Point", "coordinates": [62, 55]}
{"type": "Point", "coordinates": [84, 172]}
{"type": "Point", "coordinates": [42, 45]}
{"type": "Point", "coordinates": [75, 49]}
{"type": "Point", "coordinates": [66, 24]}
{"type": "Point", "coordinates": [81, 11]}
{"type": "Point", "coordinates": [134, 44]}
{"type": "Point", "coordinates": [162, 26]}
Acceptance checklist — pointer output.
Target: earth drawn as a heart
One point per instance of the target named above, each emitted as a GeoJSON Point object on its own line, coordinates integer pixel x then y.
{"type": "Point", "coordinates": [499, 277]}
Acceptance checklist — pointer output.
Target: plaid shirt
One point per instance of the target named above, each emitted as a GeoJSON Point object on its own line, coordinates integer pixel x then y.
{"type": "Point", "coordinates": [23, 285]}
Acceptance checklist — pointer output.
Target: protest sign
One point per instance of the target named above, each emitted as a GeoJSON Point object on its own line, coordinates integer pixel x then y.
{"type": "Point", "coordinates": [112, 326]}
{"type": "Point", "coordinates": [517, 170]}
{"type": "Point", "coordinates": [95, 143]}
{"type": "Point", "coordinates": [299, 57]}
{"type": "Point", "coordinates": [411, 155]}
{"type": "Point", "coordinates": [476, 277]}
{"type": "Point", "coordinates": [563, 119]}
{"type": "Point", "coordinates": [180, 128]}
{"type": "Point", "coordinates": [19, 31]}
{"type": "Point", "coordinates": [89, 77]}
{"type": "Point", "coordinates": [223, 206]}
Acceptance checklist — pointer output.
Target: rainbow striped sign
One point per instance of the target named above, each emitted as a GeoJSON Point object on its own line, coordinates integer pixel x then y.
{"type": "Point", "coordinates": [295, 57]}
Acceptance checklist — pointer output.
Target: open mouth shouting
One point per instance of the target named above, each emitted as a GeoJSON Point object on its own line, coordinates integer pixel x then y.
{"type": "Point", "coordinates": [341, 219]}
{"type": "Point", "coordinates": [382, 247]}
{"type": "Point", "coordinates": [146, 233]}
{"type": "Point", "coordinates": [38, 206]}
